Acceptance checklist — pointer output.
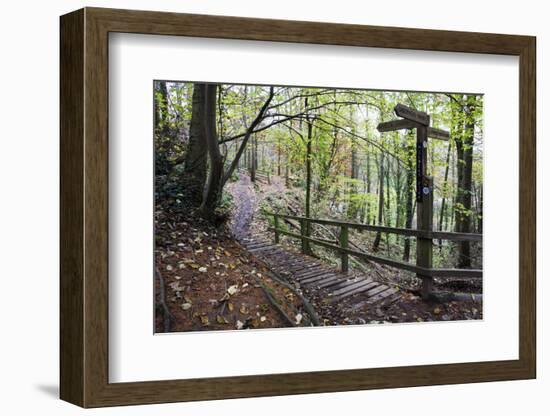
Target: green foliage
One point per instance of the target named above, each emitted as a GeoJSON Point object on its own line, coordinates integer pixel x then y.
{"type": "Point", "coordinates": [348, 158]}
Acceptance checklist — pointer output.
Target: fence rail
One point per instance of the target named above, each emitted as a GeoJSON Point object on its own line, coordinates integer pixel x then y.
{"type": "Point", "coordinates": [344, 250]}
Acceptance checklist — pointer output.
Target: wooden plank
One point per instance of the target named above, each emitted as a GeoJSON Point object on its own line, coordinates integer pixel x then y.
{"type": "Point", "coordinates": [317, 278]}
{"type": "Point", "coordinates": [382, 295]}
{"type": "Point", "coordinates": [260, 249]}
{"type": "Point", "coordinates": [410, 114]}
{"type": "Point", "coordinates": [331, 281]}
{"type": "Point", "coordinates": [344, 237]}
{"type": "Point", "coordinates": [258, 244]}
{"type": "Point", "coordinates": [304, 274]}
{"type": "Point", "coordinates": [351, 287]}
{"type": "Point", "coordinates": [307, 275]}
{"type": "Point", "coordinates": [421, 153]}
{"type": "Point", "coordinates": [357, 291]}
{"type": "Point", "coordinates": [357, 226]}
{"type": "Point", "coordinates": [452, 236]}
{"type": "Point", "coordinates": [276, 228]}
{"type": "Point", "coordinates": [424, 212]}
{"type": "Point", "coordinates": [305, 271]}
{"type": "Point", "coordinates": [276, 252]}
{"type": "Point", "coordinates": [440, 235]}
{"type": "Point", "coordinates": [439, 134]}
{"type": "Point", "coordinates": [395, 125]}
{"type": "Point", "coordinates": [376, 290]}
{"type": "Point", "coordinates": [469, 273]}
{"type": "Point", "coordinates": [388, 262]}
{"type": "Point", "coordinates": [297, 265]}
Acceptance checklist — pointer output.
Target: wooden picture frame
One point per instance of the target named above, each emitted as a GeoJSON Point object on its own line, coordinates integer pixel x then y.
{"type": "Point", "coordinates": [84, 207]}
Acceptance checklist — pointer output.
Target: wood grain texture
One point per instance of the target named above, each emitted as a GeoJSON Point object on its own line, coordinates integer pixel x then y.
{"type": "Point", "coordinates": [71, 210]}
{"type": "Point", "coordinates": [527, 208]}
{"type": "Point", "coordinates": [84, 206]}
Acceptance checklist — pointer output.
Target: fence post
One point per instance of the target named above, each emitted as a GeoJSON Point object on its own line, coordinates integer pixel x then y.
{"type": "Point", "coordinates": [344, 236]}
{"type": "Point", "coordinates": [424, 210]}
{"type": "Point", "coordinates": [303, 232]}
{"type": "Point", "coordinates": [276, 223]}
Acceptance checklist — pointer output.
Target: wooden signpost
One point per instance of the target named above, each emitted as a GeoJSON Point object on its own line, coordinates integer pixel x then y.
{"type": "Point", "coordinates": [396, 125]}
{"type": "Point", "coordinates": [413, 119]}
{"type": "Point", "coordinates": [439, 134]}
{"type": "Point", "coordinates": [413, 115]}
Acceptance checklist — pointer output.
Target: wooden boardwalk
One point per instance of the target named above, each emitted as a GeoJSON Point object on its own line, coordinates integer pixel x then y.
{"type": "Point", "coordinates": [317, 278]}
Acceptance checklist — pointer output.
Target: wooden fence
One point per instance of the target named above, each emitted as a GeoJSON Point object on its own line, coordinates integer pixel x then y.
{"type": "Point", "coordinates": [343, 247]}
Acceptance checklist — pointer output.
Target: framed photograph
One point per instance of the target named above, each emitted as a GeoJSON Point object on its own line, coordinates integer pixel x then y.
{"type": "Point", "coordinates": [255, 207]}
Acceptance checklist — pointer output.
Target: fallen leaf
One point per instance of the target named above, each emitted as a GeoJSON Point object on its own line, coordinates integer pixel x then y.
{"type": "Point", "coordinates": [232, 289]}
{"type": "Point", "coordinates": [230, 306]}
{"type": "Point", "coordinates": [298, 318]}
{"type": "Point", "coordinates": [262, 318]}
{"type": "Point", "coordinates": [437, 311]}
{"type": "Point", "coordinates": [169, 268]}
{"type": "Point", "coordinates": [175, 286]}
{"type": "Point", "coordinates": [221, 320]}
{"type": "Point", "coordinates": [202, 269]}
{"type": "Point", "coordinates": [243, 309]}
{"type": "Point", "coordinates": [186, 306]}
{"type": "Point", "coordinates": [204, 320]}
{"type": "Point", "coordinates": [239, 325]}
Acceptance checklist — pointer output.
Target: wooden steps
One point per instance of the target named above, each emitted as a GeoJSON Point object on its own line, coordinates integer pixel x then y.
{"type": "Point", "coordinates": [318, 278]}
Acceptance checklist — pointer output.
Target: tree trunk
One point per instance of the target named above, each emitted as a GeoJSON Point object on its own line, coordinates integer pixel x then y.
{"type": "Point", "coordinates": [279, 157]}
{"type": "Point", "coordinates": [160, 114]}
{"type": "Point", "coordinates": [253, 157]}
{"type": "Point", "coordinates": [367, 208]}
{"type": "Point", "coordinates": [196, 154]}
{"type": "Point", "coordinates": [464, 190]}
{"type": "Point", "coordinates": [376, 243]}
{"type": "Point", "coordinates": [213, 189]}
{"type": "Point", "coordinates": [445, 179]}
{"type": "Point", "coordinates": [308, 182]}
{"type": "Point", "coordinates": [445, 186]}
{"type": "Point", "coordinates": [480, 210]}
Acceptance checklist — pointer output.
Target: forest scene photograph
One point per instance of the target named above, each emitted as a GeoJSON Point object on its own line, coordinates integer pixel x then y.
{"type": "Point", "coordinates": [285, 206]}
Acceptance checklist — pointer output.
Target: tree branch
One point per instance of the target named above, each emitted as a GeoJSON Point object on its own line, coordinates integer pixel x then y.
{"type": "Point", "coordinates": [249, 131]}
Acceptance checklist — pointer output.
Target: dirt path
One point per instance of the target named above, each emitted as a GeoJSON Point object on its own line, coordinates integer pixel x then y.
{"type": "Point", "coordinates": [246, 204]}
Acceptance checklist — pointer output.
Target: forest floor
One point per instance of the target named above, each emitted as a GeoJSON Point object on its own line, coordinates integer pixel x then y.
{"type": "Point", "coordinates": [207, 280]}
{"type": "Point", "coordinates": [210, 282]}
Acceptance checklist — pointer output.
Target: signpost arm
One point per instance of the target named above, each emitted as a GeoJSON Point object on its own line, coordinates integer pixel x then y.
{"type": "Point", "coordinates": [424, 211]}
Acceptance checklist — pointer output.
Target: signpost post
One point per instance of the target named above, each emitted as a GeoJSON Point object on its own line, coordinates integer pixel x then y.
{"type": "Point", "coordinates": [424, 185]}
